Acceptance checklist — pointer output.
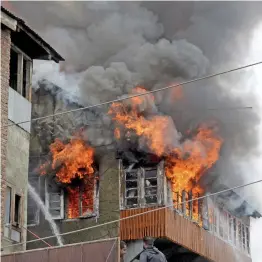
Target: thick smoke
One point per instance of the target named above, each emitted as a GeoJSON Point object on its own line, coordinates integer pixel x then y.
{"type": "Point", "coordinates": [110, 47]}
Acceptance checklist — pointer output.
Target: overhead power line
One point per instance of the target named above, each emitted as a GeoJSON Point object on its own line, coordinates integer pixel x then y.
{"type": "Point", "coordinates": [138, 95]}
{"type": "Point", "coordinates": [136, 215]}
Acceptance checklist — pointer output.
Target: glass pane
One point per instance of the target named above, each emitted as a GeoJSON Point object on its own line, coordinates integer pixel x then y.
{"type": "Point", "coordinates": [7, 204]}
{"type": "Point", "coordinates": [55, 212]}
{"type": "Point", "coordinates": [132, 175]}
{"type": "Point", "coordinates": [151, 199]}
{"type": "Point", "coordinates": [15, 235]}
{"type": "Point", "coordinates": [55, 197]}
{"type": "Point", "coordinates": [131, 192]}
{"type": "Point", "coordinates": [131, 201]}
{"type": "Point", "coordinates": [131, 184]}
{"type": "Point", "coordinates": [150, 191]}
{"type": "Point", "coordinates": [150, 173]}
{"type": "Point", "coordinates": [151, 182]}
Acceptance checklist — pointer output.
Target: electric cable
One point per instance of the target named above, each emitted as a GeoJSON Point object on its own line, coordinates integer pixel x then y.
{"type": "Point", "coordinates": [136, 215]}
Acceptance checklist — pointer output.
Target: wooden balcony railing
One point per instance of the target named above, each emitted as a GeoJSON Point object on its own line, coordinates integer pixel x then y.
{"type": "Point", "coordinates": [168, 224]}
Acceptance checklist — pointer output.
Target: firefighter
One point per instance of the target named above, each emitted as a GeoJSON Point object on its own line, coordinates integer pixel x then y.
{"type": "Point", "coordinates": [151, 253]}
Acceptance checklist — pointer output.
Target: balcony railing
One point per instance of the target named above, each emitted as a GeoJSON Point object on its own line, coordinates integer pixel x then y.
{"type": "Point", "coordinates": [206, 213]}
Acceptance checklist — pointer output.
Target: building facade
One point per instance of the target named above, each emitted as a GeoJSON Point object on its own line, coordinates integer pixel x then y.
{"type": "Point", "coordinates": [19, 46]}
{"type": "Point", "coordinates": [202, 230]}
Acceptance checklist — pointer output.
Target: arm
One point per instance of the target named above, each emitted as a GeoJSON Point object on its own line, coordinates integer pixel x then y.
{"type": "Point", "coordinates": [143, 257]}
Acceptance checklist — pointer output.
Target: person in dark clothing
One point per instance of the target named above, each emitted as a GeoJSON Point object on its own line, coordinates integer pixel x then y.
{"type": "Point", "coordinates": [122, 250]}
{"type": "Point", "coordinates": [151, 253]}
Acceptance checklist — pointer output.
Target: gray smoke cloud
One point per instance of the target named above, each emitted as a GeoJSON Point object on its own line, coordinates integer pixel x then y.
{"type": "Point", "coordinates": [110, 47]}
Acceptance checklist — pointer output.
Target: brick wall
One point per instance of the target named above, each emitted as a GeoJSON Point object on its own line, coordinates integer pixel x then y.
{"type": "Point", "coordinates": [5, 59]}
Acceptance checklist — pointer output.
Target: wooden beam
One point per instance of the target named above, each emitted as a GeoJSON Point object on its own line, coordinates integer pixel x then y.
{"type": "Point", "coordinates": [8, 21]}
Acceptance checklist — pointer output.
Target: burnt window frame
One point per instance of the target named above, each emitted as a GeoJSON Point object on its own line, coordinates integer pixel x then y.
{"type": "Point", "coordinates": [64, 202]}
{"type": "Point", "coordinates": [23, 87]}
{"type": "Point", "coordinates": [141, 187]}
{"type": "Point", "coordinates": [95, 203]}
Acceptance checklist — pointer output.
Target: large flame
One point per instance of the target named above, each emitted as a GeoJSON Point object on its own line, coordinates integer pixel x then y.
{"type": "Point", "coordinates": [70, 161]}
{"type": "Point", "coordinates": [73, 160]}
{"type": "Point", "coordinates": [184, 163]}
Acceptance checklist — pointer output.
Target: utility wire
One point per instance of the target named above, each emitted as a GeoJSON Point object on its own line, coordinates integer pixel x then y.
{"type": "Point", "coordinates": [136, 215]}
{"type": "Point", "coordinates": [138, 95]}
{"type": "Point", "coordinates": [110, 252]}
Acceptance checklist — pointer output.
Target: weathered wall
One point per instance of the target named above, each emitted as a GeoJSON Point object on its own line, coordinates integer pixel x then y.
{"type": "Point", "coordinates": [96, 251]}
{"type": "Point", "coordinates": [5, 58]}
{"type": "Point", "coordinates": [17, 176]}
{"type": "Point", "coordinates": [43, 134]}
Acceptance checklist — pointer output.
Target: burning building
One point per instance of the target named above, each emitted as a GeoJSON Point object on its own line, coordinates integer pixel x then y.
{"type": "Point", "coordinates": [149, 167]}
{"type": "Point", "coordinates": [153, 151]}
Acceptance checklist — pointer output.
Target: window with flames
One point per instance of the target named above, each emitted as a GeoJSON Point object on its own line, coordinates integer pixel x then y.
{"type": "Point", "coordinates": [71, 202]}
{"type": "Point", "coordinates": [142, 186]}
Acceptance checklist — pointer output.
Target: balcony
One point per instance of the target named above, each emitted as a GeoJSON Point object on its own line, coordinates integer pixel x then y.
{"type": "Point", "coordinates": [167, 223]}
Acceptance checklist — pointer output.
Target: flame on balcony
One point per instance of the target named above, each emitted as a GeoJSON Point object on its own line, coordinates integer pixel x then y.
{"type": "Point", "coordinates": [186, 162]}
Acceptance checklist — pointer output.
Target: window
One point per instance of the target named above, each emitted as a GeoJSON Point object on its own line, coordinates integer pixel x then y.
{"type": "Point", "coordinates": [8, 205]}
{"type": "Point", "coordinates": [150, 185]}
{"type": "Point", "coordinates": [17, 210]}
{"type": "Point", "coordinates": [12, 207]}
{"type": "Point", "coordinates": [80, 201]}
{"type": "Point", "coordinates": [141, 187]}
{"type": "Point", "coordinates": [54, 198]}
{"type": "Point", "coordinates": [71, 202]}
{"type": "Point", "coordinates": [20, 72]}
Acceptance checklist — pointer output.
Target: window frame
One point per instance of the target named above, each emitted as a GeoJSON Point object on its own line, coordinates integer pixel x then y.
{"type": "Point", "coordinates": [20, 73]}
{"type": "Point", "coordinates": [13, 226]}
{"type": "Point", "coordinates": [47, 200]}
{"type": "Point", "coordinates": [64, 202]}
{"type": "Point", "coordinates": [141, 188]}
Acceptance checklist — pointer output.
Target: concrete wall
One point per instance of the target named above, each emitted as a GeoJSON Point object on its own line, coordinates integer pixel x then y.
{"type": "Point", "coordinates": [19, 109]}
{"type": "Point", "coordinates": [108, 211]}
{"type": "Point", "coordinates": [5, 58]}
{"type": "Point", "coordinates": [17, 177]}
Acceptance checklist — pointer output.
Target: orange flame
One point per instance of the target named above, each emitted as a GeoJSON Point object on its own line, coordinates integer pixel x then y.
{"type": "Point", "coordinates": [184, 165]}
{"type": "Point", "coordinates": [70, 161]}
{"type": "Point", "coordinates": [74, 159]}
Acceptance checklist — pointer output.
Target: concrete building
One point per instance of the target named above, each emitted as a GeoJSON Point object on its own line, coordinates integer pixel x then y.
{"type": "Point", "coordinates": [20, 45]}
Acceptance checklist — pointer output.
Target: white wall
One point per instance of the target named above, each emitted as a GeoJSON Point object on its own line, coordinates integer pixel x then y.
{"type": "Point", "coordinates": [19, 109]}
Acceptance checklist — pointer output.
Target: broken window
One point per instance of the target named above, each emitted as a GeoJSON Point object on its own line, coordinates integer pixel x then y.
{"type": "Point", "coordinates": [151, 185]}
{"type": "Point", "coordinates": [80, 200]}
{"type": "Point", "coordinates": [71, 202]}
{"type": "Point", "coordinates": [20, 72]}
{"type": "Point", "coordinates": [131, 185]}
{"type": "Point", "coordinates": [140, 187]}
